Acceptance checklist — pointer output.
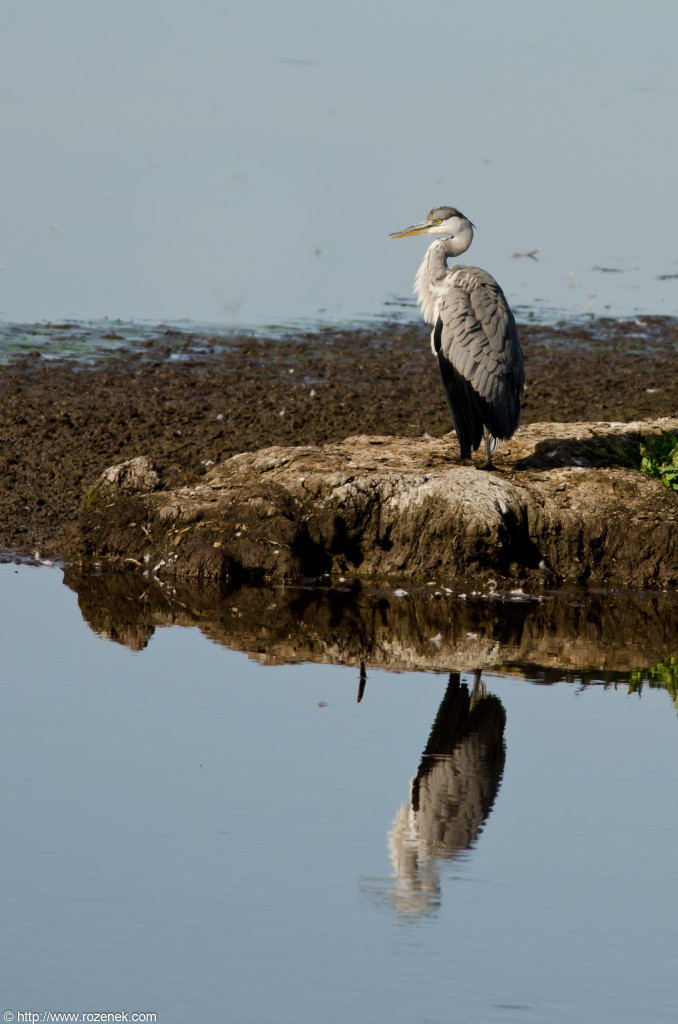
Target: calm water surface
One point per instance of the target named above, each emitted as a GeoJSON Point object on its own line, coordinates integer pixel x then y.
{"type": "Point", "coordinates": [190, 832]}
{"type": "Point", "coordinates": [248, 164]}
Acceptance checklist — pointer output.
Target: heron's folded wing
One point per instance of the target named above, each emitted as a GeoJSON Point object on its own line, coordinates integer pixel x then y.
{"type": "Point", "coordinates": [478, 337]}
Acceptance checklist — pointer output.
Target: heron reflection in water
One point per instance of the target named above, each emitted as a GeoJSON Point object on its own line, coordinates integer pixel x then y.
{"type": "Point", "coordinates": [451, 796]}
{"type": "Point", "coordinates": [474, 335]}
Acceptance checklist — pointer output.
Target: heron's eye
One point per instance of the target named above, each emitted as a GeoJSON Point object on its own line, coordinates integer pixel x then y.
{"type": "Point", "coordinates": [439, 220]}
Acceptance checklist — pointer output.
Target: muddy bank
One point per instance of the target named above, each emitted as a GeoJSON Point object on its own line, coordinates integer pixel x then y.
{"type": "Point", "coordinates": [560, 507]}
{"type": "Point", "coordinates": [189, 402]}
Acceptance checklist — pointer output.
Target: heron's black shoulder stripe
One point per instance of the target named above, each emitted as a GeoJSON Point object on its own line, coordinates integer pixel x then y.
{"type": "Point", "coordinates": [437, 335]}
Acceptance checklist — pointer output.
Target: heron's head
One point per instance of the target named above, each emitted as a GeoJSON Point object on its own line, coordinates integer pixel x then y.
{"type": "Point", "coordinates": [443, 220]}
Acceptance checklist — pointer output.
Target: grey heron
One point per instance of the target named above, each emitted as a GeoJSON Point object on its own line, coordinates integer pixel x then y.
{"type": "Point", "coordinates": [474, 335]}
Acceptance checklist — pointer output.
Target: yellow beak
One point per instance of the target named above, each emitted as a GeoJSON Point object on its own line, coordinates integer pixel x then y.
{"type": "Point", "coordinates": [416, 229]}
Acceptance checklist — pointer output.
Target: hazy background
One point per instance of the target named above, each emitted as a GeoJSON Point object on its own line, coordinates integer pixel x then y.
{"type": "Point", "coordinates": [244, 163]}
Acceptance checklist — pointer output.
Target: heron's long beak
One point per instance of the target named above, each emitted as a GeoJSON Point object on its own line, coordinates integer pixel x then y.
{"type": "Point", "coordinates": [416, 229]}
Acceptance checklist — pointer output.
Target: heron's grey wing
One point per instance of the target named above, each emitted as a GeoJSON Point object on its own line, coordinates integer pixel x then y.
{"type": "Point", "coordinates": [479, 339]}
{"type": "Point", "coordinates": [465, 404]}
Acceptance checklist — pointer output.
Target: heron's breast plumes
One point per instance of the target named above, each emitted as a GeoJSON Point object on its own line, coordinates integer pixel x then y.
{"type": "Point", "coordinates": [428, 283]}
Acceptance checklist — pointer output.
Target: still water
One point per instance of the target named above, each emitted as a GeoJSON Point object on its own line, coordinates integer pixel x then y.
{"type": "Point", "coordinates": [201, 822]}
{"type": "Point", "coordinates": [244, 164]}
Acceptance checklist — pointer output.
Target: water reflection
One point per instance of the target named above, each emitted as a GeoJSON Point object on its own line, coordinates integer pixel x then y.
{"type": "Point", "coordinates": [450, 797]}
{"type": "Point", "coordinates": [611, 637]}
{"type": "Point", "coordinates": [587, 637]}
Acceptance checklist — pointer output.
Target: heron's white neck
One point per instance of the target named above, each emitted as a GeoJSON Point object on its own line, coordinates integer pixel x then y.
{"type": "Point", "coordinates": [434, 268]}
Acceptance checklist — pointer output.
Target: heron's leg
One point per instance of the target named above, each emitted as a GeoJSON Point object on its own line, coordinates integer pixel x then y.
{"type": "Point", "coordinates": [363, 680]}
{"type": "Point", "coordinates": [464, 453]}
{"type": "Point", "coordinates": [479, 690]}
{"type": "Point", "coordinates": [488, 449]}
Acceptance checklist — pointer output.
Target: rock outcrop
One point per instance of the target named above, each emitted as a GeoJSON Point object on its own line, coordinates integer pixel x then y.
{"type": "Point", "coordinates": [563, 505]}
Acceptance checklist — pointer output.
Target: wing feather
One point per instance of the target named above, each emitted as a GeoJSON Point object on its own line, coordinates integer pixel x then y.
{"type": "Point", "coordinates": [480, 356]}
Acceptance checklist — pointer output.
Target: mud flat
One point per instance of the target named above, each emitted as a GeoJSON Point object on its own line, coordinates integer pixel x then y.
{"type": "Point", "coordinates": [292, 457]}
